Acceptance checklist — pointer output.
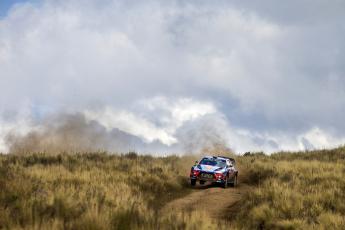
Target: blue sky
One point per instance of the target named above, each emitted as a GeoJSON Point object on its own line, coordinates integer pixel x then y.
{"type": "Point", "coordinates": [256, 75]}
{"type": "Point", "coordinates": [5, 5]}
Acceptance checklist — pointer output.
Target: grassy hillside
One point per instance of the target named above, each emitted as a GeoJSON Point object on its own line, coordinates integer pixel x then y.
{"type": "Point", "coordinates": [303, 190]}
{"type": "Point", "coordinates": [100, 191]}
{"type": "Point", "coordinates": [88, 191]}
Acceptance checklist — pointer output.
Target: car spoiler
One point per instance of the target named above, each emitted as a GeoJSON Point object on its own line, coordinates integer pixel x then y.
{"type": "Point", "coordinates": [229, 158]}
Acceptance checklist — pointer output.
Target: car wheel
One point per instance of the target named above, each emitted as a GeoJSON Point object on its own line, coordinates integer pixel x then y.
{"type": "Point", "coordinates": [202, 182]}
{"type": "Point", "coordinates": [225, 183]}
{"type": "Point", "coordinates": [234, 182]}
{"type": "Point", "coordinates": [192, 182]}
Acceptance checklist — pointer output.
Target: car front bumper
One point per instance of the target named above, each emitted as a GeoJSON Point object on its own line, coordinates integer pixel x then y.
{"type": "Point", "coordinates": [214, 178]}
{"type": "Point", "coordinates": [211, 177]}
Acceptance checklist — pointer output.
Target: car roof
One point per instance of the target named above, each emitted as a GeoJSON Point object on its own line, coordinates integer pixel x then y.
{"type": "Point", "coordinates": [215, 157]}
{"type": "Point", "coordinates": [208, 157]}
{"type": "Point", "coordinates": [223, 158]}
{"type": "Point", "coordinates": [228, 158]}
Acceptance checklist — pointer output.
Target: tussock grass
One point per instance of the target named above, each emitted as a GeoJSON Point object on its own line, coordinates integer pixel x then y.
{"type": "Point", "coordinates": [302, 190]}
{"type": "Point", "coordinates": [88, 191]}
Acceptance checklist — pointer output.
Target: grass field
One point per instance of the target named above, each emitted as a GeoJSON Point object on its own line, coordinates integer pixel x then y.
{"type": "Point", "coordinates": [101, 191]}
{"type": "Point", "coordinates": [304, 190]}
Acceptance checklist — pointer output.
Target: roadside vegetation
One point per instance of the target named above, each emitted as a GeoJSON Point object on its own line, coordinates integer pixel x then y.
{"type": "Point", "coordinates": [301, 190]}
{"type": "Point", "coordinates": [102, 191]}
{"type": "Point", "coordinates": [93, 191]}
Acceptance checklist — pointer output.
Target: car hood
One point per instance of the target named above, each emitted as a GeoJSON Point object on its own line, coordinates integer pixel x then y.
{"type": "Point", "coordinates": [209, 168]}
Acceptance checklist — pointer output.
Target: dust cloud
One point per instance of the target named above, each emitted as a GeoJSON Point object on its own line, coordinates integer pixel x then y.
{"type": "Point", "coordinates": [74, 133]}
{"type": "Point", "coordinates": [68, 133]}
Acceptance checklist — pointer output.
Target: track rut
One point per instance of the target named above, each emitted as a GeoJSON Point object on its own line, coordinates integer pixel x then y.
{"type": "Point", "coordinates": [210, 199]}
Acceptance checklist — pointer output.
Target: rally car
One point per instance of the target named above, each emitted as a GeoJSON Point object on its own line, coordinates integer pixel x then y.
{"type": "Point", "coordinates": [215, 169]}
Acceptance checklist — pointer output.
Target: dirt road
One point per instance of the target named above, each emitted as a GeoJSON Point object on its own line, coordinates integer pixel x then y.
{"type": "Point", "coordinates": [211, 199]}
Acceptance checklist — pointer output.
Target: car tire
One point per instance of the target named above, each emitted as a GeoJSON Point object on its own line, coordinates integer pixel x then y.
{"type": "Point", "coordinates": [225, 183]}
{"type": "Point", "coordinates": [234, 182]}
{"type": "Point", "coordinates": [192, 182]}
{"type": "Point", "coordinates": [202, 182]}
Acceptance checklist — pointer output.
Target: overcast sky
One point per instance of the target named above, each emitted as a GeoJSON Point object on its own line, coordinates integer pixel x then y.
{"type": "Point", "coordinates": [258, 75]}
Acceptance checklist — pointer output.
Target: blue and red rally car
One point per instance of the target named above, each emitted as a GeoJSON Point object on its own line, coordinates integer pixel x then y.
{"type": "Point", "coordinates": [214, 169]}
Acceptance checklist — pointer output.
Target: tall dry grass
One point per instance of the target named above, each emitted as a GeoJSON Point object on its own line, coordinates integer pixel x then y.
{"type": "Point", "coordinates": [93, 191]}
{"type": "Point", "coordinates": [302, 190]}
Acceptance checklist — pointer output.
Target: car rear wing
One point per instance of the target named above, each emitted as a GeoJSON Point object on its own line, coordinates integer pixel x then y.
{"type": "Point", "coordinates": [229, 158]}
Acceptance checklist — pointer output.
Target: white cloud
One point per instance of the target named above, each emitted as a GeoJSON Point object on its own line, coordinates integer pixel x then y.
{"type": "Point", "coordinates": [169, 115]}
{"type": "Point", "coordinates": [20, 126]}
{"type": "Point", "coordinates": [319, 139]}
{"type": "Point", "coordinates": [130, 123]}
{"type": "Point", "coordinates": [267, 77]}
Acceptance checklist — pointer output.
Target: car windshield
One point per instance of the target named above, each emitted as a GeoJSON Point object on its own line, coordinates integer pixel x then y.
{"type": "Point", "coordinates": [213, 162]}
